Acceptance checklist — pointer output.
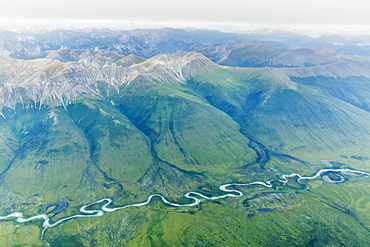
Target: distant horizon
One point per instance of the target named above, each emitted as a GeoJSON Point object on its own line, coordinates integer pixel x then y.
{"type": "Point", "coordinates": [312, 30]}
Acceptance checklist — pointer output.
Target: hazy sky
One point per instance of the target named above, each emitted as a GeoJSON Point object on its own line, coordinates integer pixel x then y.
{"type": "Point", "coordinates": [225, 11]}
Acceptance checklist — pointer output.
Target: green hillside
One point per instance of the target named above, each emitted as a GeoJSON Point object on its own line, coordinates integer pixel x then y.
{"type": "Point", "coordinates": [293, 119]}
{"type": "Point", "coordinates": [180, 123]}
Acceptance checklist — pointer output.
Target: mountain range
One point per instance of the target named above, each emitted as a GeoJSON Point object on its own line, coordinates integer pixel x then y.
{"type": "Point", "coordinates": [87, 115]}
{"type": "Point", "coordinates": [151, 42]}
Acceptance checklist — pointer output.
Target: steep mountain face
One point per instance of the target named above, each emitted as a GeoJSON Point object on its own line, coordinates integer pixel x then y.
{"type": "Point", "coordinates": [79, 125]}
{"type": "Point", "coordinates": [169, 99]}
{"type": "Point", "coordinates": [355, 44]}
{"type": "Point", "coordinates": [118, 122]}
{"type": "Point", "coordinates": [254, 54]}
{"type": "Point", "coordinates": [49, 81]}
{"type": "Point", "coordinates": [18, 45]}
{"type": "Point", "coordinates": [142, 42]}
{"type": "Point", "coordinates": [150, 42]}
{"type": "Point", "coordinates": [93, 58]}
{"type": "Point", "coordinates": [245, 54]}
{"type": "Point", "coordinates": [288, 116]}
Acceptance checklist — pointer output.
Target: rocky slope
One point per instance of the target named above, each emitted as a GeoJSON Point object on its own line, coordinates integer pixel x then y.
{"type": "Point", "coordinates": [78, 125]}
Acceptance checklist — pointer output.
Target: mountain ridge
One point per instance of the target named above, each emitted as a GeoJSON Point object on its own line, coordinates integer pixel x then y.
{"type": "Point", "coordinates": [86, 121]}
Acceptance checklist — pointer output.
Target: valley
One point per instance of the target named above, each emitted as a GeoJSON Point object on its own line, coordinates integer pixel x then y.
{"type": "Point", "coordinates": [87, 213]}
{"type": "Point", "coordinates": [154, 121]}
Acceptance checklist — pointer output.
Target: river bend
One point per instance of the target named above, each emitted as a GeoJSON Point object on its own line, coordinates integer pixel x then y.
{"type": "Point", "coordinates": [85, 212]}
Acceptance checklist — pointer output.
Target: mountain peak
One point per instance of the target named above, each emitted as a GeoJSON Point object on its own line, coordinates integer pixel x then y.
{"type": "Point", "coordinates": [324, 50]}
{"type": "Point", "coordinates": [177, 66]}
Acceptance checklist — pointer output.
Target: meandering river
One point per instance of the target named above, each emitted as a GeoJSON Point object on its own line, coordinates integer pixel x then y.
{"type": "Point", "coordinates": [194, 196]}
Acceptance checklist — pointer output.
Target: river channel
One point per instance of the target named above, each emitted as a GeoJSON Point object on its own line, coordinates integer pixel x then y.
{"type": "Point", "coordinates": [194, 196]}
